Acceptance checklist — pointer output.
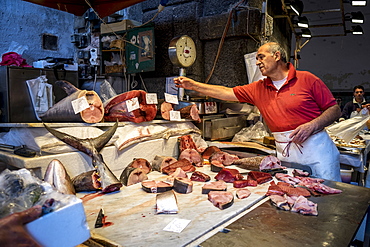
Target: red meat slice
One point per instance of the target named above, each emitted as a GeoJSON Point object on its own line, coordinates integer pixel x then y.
{"type": "Point", "coordinates": [193, 156]}
{"type": "Point", "coordinates": [211, 186]}
{"type": "Point", "coordinates": [293, 191]}
{"type": "Point", "coordinates": [221, 199]}
{"type": "Point", "coordinates": [270, 162]}
{"type": "Point", "coordinates": [200, 177]}
{"type": "Point", "coordinates": [243, 193]}
{"type": "Point", "coordinates": [229, 175]}
{"type": "Point", "coordinates": [222, 157]}
{"type": "Point", "coordinates": [187, 142]}
{"type": "Point", "coordinates": [209, 151]}
{"type": "Point", "coordinates": [260, 177]}
{"type": "Point", "coordinates": [324, 189]}
{"type": "Point", "coordinates": [116, 108]}
{"type": "Point", "coordinates": [244, 183]}
{"type": "Point", "coordinates": [274, 189]}
{"type": "Point", "coordinates": [304, 206]}
{"type": "Point", "coordinates": [184, 164]}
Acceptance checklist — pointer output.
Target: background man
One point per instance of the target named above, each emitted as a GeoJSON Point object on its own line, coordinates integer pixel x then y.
{"type": "Point", "coordinates": [354, 107]}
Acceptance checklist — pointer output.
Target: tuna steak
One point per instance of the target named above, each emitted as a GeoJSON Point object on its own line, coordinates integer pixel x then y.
{"type": "Point", "coordinates": [116, 108]}
{"type": "Point", "coordinates": [63, 110]}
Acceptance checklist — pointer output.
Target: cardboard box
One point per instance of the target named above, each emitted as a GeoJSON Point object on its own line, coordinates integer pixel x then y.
{"type": "Point", "coordinates": [118, 26]}
{"type": "Point", "coordinates": [65, 227]}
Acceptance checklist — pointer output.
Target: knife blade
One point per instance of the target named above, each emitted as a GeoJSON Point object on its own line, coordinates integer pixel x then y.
{"type": "Point", "coordinates": [99, 220]}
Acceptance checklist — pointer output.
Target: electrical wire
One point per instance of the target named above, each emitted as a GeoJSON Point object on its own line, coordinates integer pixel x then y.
{"type": "Point", "coordinates": [226, 29]}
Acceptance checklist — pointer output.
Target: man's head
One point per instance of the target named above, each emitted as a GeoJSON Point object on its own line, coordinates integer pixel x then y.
{"type": "Point", "coordinates": [269, 57]}
{"type": "Point", "coordinates": [358, 93]}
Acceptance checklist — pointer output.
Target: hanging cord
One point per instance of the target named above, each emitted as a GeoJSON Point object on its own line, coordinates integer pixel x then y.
{"type": "Point", "coordinates": [142, 82]}
{"type": "Point", "coordinates": [222, 41]}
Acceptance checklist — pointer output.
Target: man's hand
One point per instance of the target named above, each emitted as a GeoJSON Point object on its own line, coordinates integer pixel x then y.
{"type": "Point", "coordinates": [12, 230]}
{"type": "Point", "coordinates": [302, 132]}
{"type": "Point", "coordinates": [184, 82]}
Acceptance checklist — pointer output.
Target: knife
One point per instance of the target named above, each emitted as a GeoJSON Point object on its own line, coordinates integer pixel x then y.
{"type": "Point", "coordinates": [20, 150]}
{"type": "Point", "coordinates": [99, 220]}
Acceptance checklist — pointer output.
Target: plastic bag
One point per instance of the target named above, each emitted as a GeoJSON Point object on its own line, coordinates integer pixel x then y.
{"type": "Point", "coordinates": [41, 94]}
{"type": "Point", "coordinates": [349, 128]}
{"type": "Point", "coordinates": [257, 131]}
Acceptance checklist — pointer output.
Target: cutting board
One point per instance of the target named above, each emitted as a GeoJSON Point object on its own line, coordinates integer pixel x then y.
{"type": "Point", "coordinates": [131, 218]}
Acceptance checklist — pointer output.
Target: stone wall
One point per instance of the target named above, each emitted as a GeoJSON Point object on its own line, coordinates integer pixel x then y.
{"type": "Point", "coordinates": [24, 23]}
{"type": "Point", "coordinates": [204, 22]}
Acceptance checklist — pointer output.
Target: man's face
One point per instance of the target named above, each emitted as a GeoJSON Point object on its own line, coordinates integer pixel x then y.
{"type": "Point", "coordinates": [359, 94]}
{"type": "Point", "coordinates": [266, 61]}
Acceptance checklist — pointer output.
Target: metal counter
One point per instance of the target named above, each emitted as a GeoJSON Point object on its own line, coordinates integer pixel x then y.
{"type": "Point", "coordinates": [336, 225]}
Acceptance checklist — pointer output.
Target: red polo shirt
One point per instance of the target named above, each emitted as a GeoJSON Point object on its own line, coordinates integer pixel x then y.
{"type": "Point", "coordinates": [302, 97]}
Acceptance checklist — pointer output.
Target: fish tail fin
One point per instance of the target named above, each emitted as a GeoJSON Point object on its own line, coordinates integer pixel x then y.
{"type": "Point", "coordinates": [100, 141]}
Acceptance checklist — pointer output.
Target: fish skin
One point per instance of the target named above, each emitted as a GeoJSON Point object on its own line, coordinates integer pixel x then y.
{"type": "Point", "coordinates": [68, 87]}
{"type": "Point", "coordinates": [57, 176]}
{"type": "Point", "coordinates": [92, 147]}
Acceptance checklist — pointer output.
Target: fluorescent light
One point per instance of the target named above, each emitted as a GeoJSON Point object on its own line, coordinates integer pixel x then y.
{"type": "Point", "coordinates": [357, 17]}
{"type": "Point", "coordinates": [306, 33]}
{"type": "Point", "coordinates": [357, 30]}
{"type": "Point", "coordinates": [358, 3]}
{"type": "Point", "coordinates": [302, 22]}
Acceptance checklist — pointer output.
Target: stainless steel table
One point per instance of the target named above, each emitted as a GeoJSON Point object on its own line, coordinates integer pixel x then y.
{"type": "Point", "coordinates": [336, 225]}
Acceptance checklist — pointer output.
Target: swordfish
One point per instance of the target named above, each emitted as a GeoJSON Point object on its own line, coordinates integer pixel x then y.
{"type": "Point", "coordinates": [106, 181]}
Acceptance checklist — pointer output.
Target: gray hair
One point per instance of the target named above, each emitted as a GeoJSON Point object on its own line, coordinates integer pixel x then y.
{"type": "Point", "coordinates": [274, 47]}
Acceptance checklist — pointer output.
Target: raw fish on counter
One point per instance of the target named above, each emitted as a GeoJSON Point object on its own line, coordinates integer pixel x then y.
{"type": "Point", "coordinates": [92, 147]}
{"type": "Point", "coordinates": [63, 110]}
{"type": "Point", "coordinates": [188, 112]}
{"type": "Point", "coordinates": [116, 108]}
{"type": "Point", "coordinates": [221, 199]}
{"type": "Point", "coordinates": [57, 176]}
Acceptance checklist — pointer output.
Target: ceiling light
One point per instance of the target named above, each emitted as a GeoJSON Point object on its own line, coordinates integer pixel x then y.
{"type": "Point", "coordinates": [356, 30]}
{"type": "Point", "coordinates": [358, 3]}
{"type": "Point", "coordinates": [306, 33]}
{"type": "Point", "coordinates": [357, 17]}
{"type": "Point", "coordinates": [295, 5]}
{"type": "Point", "coordinates": [302, 22]}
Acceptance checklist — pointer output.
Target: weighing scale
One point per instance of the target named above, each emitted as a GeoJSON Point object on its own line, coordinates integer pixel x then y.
{"type": "Point", "coordinates": [182, 53]}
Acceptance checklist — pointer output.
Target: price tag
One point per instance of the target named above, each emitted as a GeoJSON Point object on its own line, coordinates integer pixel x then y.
{"type": "Point", "coordinates": [177, 225]}
{"type": "Point", "coordinates": [151, 98]}
{"type": "Point", "coordinates": [171, 98]}
{"type": "Point", "coordinates": [80, 104]}
{"type": "Point", "coordinates": [132, 104]}
{"type": "Point", "coordinates": [175, 116]}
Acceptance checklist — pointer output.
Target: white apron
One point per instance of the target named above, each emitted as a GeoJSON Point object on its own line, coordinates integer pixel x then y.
{"type": "Point", "coordinates": [318, 152]}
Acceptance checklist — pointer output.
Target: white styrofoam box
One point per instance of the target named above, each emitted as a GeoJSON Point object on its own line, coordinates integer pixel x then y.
{"type": "Point", "coordinates": [65, 227]}
{"type": "Point", "coordinates": [41, 64]}
{"type": "Point", "coordinates": [71, 67]}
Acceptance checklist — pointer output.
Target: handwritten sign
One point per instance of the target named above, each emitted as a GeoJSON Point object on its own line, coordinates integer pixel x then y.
{"type": "Point", "coordinates": [151, 98]}
{"type": "Point", "coordinates": [132, 104]}
{"type": "Point", "coordinates": [171, 98]}
{"type": "Point", "coordinates": [80, 104]}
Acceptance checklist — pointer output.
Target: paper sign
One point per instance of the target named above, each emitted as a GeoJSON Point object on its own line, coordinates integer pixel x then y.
{"type": "Point", "coordinates": [151, 98]}
{"type": "Point", "coordinates": [175, 116]}
{"type": "Point", "coordinates": [80, 104]}
{"type": "Point", "coordinates": [132, 104]}
{"type": "Point", "coordinates": [177, 225]}
{"type": "Point", "coordinates": [171, 98]}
